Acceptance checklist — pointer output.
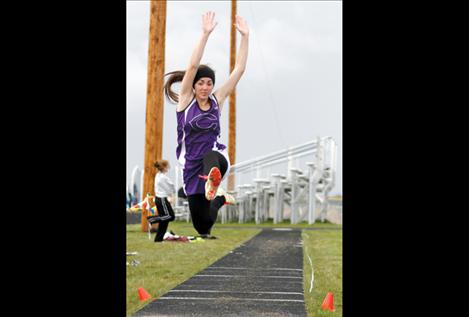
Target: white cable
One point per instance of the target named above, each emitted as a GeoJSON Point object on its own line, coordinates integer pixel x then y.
{"type": "Point", "coordinates": [312, 270]}
{"type": "Point", "coordinates": [312, 274]}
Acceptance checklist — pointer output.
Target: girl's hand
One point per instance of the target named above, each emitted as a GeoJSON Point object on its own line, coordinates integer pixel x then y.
{"type": "Point", "coordinates": [241, 25]}
{"type": "Point", "coordinates": [208, 22]}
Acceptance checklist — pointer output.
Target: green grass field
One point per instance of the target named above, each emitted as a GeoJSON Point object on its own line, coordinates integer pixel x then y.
{"type": "Point", "coordinates": [166, 265]}
{"type": "Point", "coordinates": [325, 250]}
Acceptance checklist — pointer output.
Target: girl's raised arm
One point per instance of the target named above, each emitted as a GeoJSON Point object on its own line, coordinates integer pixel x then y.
{"type": "Point", "coordinates": [225, 90]}
{"type": "Point", "coordinates": [186, 94]}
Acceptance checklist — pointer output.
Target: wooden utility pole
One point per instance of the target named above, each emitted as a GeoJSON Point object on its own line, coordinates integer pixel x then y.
{"type": "Point", "coordinates": [155, 101]}
{"type": "Point", "coordinates": [232, 120]}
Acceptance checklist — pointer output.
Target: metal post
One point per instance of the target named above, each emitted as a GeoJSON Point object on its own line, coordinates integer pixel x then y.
{"type": "Point", "coordinates": [223, 214]}
{"type": "Point", "coordinates": [265, 203]}
{"type": "Point", "coordinates": [258, 202]}
{"type": "Point", "coordinates": [294, 190]}
{"type": "Point", "coordinates": [290, 163]}
{"type": "Point", "coordinates": [276, 185]}
{"type": "Point", "coordinates": [259, 198]}
{"type": "Point", "coordinates": [334, 162]}
{"type": "Point", "coordinates": [295, 195]}
{"type": "Point", "coordinates": [241, 211]}
{"type": "Point", "coordinates": [283, 185]}
{"type": "Point", "coordinates": [133, 181]}
{"type": "Point", "coordinates": [312, 193]}
{"type": "Point", "coordinates": [248, 205]}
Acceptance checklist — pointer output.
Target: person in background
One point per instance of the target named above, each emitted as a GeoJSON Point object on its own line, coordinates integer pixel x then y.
{"type": "Point", "coordinates": [164, 188]}
{"type": "Point", "coordinates": [129, 200]}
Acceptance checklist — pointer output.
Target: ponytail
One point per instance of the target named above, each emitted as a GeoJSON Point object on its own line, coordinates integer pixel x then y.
{"type": "Point", "coordinates": [174, 77]}
{"type": "Point", "coordinates": [178, 75]}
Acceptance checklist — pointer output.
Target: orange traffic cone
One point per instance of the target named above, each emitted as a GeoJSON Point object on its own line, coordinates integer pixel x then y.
{"type": "Point", "coordinates": [143, 294]}
{"type": "Point", "coordinates": [328, 303]}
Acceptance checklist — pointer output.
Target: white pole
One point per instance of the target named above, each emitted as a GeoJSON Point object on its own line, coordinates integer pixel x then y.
{"type": "Point", "coordinates": [133, 182]}
{"type": "Point", "coordinates": [132, 179]}
{"type": "Point", "coordinates": [312, 194]}
{"type": "Point", "coordinates": [334, 163]}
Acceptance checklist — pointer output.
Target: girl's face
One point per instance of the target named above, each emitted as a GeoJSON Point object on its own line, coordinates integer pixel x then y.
{"type": "Point", "coordinates": [203, 87]}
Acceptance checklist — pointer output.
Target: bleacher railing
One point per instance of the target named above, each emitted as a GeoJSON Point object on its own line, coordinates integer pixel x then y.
{"type": "Point", "coordinates": [288, 184]}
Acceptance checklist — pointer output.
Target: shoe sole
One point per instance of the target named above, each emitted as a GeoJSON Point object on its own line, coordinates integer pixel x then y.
{"type": "Point", "coordinates": [213, 181]}
{"type": "Point", "coordinates": [231, 201]}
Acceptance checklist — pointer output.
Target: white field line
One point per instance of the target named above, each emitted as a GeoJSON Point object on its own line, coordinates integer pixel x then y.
{"type": "Point", "coordinates": [237, 299]}
{"type": "Point", "coordinates": [212, 275]}
{"type": "Point", "coordinates": [246, 268]}
{"type": "Point", "coordinates": [312, 274]}
{"type": "Point", "coordinates": [231, 292]}
{"type": "Point", "coordinates": [312, 270]}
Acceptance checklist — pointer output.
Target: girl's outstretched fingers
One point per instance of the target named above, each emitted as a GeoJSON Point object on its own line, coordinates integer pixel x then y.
{"type": "Point", "coordinates": [208, 21]}
{"type": "Point", "coordinates": [241, 25]}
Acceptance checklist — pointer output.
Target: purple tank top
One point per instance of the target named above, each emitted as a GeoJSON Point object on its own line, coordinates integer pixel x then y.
{"type": "Point", "coordinates": [197, 133]}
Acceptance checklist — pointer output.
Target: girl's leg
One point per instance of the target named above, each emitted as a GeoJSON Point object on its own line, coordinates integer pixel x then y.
{"type": "Point", "coordinates": [215, 159]}
{"type": "Point", "coordinates": [204, 213]}
{"type": "Point", "coordinates": [215, 205]}
{"type": "Point", "coordinates": [165, 211]}
{"type": "Point", "coordinates": [199, 207]}
{"type": "Point", "coordinates": [165, 215]}
{"type": "Point", "coordinates": [162, 227]}
{"type": "Point", "coordinates": [214, 166]}
{"type": "Point", "coordinates": [169, 209]}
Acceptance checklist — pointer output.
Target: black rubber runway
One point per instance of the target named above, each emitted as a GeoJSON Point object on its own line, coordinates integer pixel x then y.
{"type": "Point", "coordinates": [263, 277]}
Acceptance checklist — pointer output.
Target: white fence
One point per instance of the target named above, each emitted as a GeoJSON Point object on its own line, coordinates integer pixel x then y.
{"type": "Point", "coordinates": [290, 184]}
{"type": "Point", "coordinates": [136, 185]}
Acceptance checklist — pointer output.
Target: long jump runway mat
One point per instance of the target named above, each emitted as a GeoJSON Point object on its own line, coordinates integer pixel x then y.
{"type": "Point", "coordinates": [262, 277]}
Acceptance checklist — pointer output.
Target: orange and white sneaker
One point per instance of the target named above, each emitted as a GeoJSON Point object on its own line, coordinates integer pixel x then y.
{"type": "Point", "coordinates": [213, 181]}
{"type": "Point", "coordinates": [229, 199]}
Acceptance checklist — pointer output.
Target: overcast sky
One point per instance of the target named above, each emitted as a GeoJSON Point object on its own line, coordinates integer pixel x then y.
{"type": "Point", "coordinates": [290, 93]}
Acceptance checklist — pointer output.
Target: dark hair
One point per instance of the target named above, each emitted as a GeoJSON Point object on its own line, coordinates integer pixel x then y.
{"type": "Point", "coordinates": [204, 71]}
{"type": "Point", "coordinates": [178, 75]}
{"type": "Point", "coordinates": [161, 165]}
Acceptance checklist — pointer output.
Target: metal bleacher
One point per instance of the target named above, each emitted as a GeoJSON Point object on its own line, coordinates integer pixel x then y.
{"type": "Point", "coordinates": [291, 184]}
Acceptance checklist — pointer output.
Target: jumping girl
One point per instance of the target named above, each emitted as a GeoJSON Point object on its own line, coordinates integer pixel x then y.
{"type": "Point", "coordinates": [204, 160]}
